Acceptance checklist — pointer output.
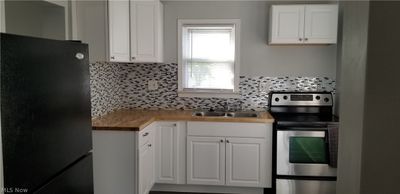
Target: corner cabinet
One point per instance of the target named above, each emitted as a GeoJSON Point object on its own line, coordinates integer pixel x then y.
{"type": "Point", "coordinates": [303, 24]}
{"type": "Point", "coordinates": [135, 31]}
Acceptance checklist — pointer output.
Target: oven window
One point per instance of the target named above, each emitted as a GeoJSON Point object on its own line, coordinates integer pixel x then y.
{"type": "Point", "coordinates": [308, 150]}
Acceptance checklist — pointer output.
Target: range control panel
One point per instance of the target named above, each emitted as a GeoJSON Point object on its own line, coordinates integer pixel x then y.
{"type": "Point", "coordinates": [301, 99]}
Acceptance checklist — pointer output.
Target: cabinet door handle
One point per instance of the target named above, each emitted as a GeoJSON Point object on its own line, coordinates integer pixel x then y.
{"type": "Point", "coordinates": [149, 145]}
{"type": "Point", "coordinates": [227, 141]}
{"type": "Point", "coordinates": [133, 58]}
{"type": "Point", "coordinates": [306, 39]}
{"type": "Point", "coordinates": [222, 141]}
{"type": "Point", "coordinates": [112, 57]}
{"type": "Point", "coordinates": [300, 39]}
{"type": "Point", "coordinates": [145, 134]}
{"type": "Point", "coordinates": [174, 125]}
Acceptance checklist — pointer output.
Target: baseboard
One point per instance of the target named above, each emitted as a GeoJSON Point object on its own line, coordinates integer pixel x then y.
{"type": "Point", "coordinates": [206, 189]}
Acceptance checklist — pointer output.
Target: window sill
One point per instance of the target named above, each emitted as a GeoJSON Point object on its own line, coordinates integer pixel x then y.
{"type": "Point", "coordinates": [199, 94]}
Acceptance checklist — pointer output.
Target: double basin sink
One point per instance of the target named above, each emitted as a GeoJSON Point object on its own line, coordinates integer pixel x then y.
{"type": "Point", "coordinates": [225, 114]}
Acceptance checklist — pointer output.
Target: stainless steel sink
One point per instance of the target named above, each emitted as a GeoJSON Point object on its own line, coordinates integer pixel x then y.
{"type": "Point", "coordinates": [209, 114]}
{"type": "Point", "coordinates": [242, 114]}
{"type": "Point", "coordinates": [225, 114]}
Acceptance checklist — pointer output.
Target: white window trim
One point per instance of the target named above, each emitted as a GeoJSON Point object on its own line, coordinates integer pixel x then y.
{"type": "Point", "coordinates": [201, 92]}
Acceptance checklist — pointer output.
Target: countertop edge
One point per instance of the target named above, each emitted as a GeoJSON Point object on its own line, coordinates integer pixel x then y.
{"type": "Point", "coordinates": [151, 119]}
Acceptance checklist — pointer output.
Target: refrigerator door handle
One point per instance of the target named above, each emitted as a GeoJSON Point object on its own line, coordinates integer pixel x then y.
{"type": "Point", "coordinates": [80, 56]}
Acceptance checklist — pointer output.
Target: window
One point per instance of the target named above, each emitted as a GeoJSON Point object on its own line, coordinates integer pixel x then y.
{"type": "Point", "coordinates": [208, 58]}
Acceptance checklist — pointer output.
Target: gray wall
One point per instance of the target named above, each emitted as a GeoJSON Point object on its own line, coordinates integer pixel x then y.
{"type": "Point", "coordinates": [35, 18]}
{"type": "Point", "coordinates": [352, 64]}
{"type": "Point", "coordinates": [381, 136]}
{"type": "Point", "coordinates": [370, 99]}
{"type": "Point", "coordinates": [92, 27]}
{"type": "Point", "coordinates": [257, 58]}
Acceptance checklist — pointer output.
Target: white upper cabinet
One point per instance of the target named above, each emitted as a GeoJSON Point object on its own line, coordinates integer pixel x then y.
{"type": "Point", "coordinates": [146, 28]}
{"type": "Point", "coordinates": [135, 31]}
{"type": "Point", "coordinates": [321, 23]}
{"type": "Point", "coordinates": [287, 24]}
{"type": "Point", "coordinates": [119, 37]}
{"type": "Point", "coordinates": [303, 24]}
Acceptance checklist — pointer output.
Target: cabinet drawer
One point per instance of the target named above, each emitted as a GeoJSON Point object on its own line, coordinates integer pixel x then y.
{"type": "Point", "coordinates": [146, 134]}
{"type": "Point", "coordinates": [224, 129]}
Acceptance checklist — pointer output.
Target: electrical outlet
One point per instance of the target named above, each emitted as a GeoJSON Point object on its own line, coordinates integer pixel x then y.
{"type": "Point", "coordinates": [264, 87]}
{"type": "Point", "coordinates": [152, 85]}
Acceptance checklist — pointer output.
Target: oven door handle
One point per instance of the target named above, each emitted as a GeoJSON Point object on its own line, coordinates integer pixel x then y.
{"type": "Point", "coordinates": [286, 128]}
{"type": "Point", "coordinates": [302, 133]}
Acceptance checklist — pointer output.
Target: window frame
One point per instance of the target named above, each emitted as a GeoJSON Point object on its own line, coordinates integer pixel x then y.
{"type": "Point", "coordinates": [208, 93]}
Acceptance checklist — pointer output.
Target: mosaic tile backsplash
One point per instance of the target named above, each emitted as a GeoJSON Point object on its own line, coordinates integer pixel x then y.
{"type": "Point", "coordinates": [121, 85]}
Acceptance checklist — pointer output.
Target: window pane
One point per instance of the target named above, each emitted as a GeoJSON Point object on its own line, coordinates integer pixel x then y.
{"type": "Point", "coordinates": [208, 75]}
{"type": "Point", "coordinates": [209, 57]}
{"type": "Point", "coordinates": [211, 45]}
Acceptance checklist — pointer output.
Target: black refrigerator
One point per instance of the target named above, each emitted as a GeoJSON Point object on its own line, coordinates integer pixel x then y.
{"type": "Point", "coordinates": [45, 116]}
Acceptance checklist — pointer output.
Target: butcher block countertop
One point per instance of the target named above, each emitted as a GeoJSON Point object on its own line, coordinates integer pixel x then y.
{"type": "Point", "coordinates": [136, 120]}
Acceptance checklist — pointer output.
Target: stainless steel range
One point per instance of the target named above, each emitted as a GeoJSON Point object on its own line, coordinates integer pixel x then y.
{"type": "Point", "coordinates": [306, 142]}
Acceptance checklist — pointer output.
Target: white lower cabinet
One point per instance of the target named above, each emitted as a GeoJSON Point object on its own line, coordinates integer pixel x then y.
{"type": "Point", "coordinates": [246, 162]}
{"type": "Point", "coordinates": [171, 153]}
{"type": "Point", "coordinates": [146, 162]}
{"type": "Point", "coordinates": [167, 153]}
{"type": "Point", "coordinates": [146, 168]}
{"type": "Point", "coordinates": [235, 159]}
{"type": "Point", "coordinates": [206, 160]}
{"type": "Point", "coordinates": [183, 155]}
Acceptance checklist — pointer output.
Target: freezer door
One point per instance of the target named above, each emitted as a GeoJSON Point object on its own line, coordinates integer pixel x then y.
{"type": "Point", "coordinates": [78, 179]}
{"type": "Point", "coordinates": [292, 186]}
{"type": "Point", "coordinates": [45, 108]}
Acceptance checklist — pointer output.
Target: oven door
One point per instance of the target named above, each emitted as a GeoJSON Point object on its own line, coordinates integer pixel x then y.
{"type": "Point", "coordinates": [303, 152]}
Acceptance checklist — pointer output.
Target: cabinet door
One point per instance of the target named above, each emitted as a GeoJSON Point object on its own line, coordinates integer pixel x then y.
{"type": "Point", "coordinates": [246, 162]}
{"type": "Point", "coordinates": [151, 169]}
{"type": "Point", "coordinates": [119, 36]}
{"type": "Point", "coordinates": [146, 168]}
{"type": "Point", "coordinates": [321, 23]}
{"type": "Point", "coordinates": [145, 30]}
{"type": "Point", "coordinates": [167, 153]}
{"type": "Point", "coordinates": [287, 24]}
{"type": "Point", "coordinates": [205, 160]}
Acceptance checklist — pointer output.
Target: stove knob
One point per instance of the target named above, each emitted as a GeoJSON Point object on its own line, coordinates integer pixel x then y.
{"type": "Point", "coordinates": [276, 99]}
{"type": "Point", "coordinates": [285, 97]}
{"type": "Point", "coordinates": [318, 97]}
{"type": "Point", "coordinates": [326, 99]}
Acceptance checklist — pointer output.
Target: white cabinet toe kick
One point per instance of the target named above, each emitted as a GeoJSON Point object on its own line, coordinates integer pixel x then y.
{"type": "Point", "coordinates": [180, 156]}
